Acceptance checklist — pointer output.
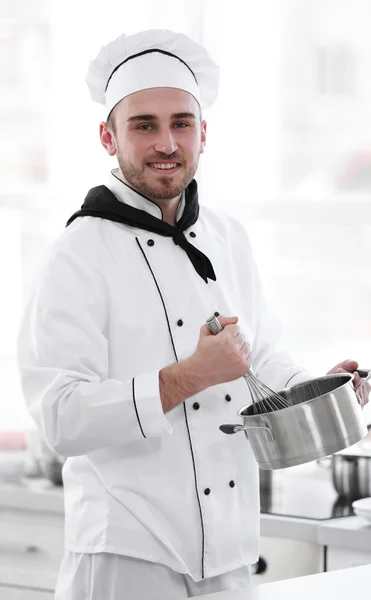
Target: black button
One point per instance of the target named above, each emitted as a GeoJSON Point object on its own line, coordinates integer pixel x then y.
{"type": "Point", "coordinates": [180, 322]}
{"type": "Point", "coordinates": [216, 314]}
{"type": "Point", "coordinates": [192, 234]}
{"type": "Point", "coordinates": [228, 398]}
{"type": "Point", "coordinates": [196, 406]}
{"type": "Point", "coordinates": [151, 243]}
{"type": "Point", "coordinates": [232, 483]}
{"type": "Point", "coordinates": [207, 491]}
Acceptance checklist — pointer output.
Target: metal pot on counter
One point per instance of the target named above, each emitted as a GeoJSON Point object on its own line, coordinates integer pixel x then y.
{"type": "Point", "coordinates": [351, 470]}
{"type": "Point", "coordinates": [52, 464]}
{"type": "Point", "coordinates": [41, 460]}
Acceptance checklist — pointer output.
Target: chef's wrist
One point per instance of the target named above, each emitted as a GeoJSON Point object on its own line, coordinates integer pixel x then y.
{"type": "Point", "coordinates": [179, 382]}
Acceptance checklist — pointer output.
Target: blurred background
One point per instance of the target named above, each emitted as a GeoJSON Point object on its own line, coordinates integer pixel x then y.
{"type": "Point", "coordinates": [288, 153]}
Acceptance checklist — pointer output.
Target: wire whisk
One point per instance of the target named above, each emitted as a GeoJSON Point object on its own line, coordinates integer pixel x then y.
{"type": "Point", "coordinates": [264, 399]}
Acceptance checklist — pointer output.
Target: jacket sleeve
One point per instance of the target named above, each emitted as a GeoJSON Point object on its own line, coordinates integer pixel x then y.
{"type": "Point", "coordinates": [63, 360]}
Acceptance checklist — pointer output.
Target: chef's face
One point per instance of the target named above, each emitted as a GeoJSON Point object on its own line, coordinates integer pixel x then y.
{"type": "Point", "coordinates": [158, 136]}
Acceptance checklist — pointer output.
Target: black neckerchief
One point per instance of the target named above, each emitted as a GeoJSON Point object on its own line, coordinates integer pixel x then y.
{"type": "Point", "coordinates": [101, 202]}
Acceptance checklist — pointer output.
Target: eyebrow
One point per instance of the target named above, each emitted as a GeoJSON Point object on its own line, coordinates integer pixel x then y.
{"type": "Point", "coordinates": [180, 115]}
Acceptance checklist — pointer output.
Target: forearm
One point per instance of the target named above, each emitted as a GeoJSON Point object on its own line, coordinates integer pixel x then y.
{"type": "Point", "coordinates": [179, 382]}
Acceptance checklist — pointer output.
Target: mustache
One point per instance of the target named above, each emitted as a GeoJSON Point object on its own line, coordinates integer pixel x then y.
{"type": "Point", "coordinates": [161, 156]}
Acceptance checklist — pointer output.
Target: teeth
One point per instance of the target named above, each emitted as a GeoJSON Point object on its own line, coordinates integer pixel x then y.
{"type": "Point", "coordinates": [164, 166]}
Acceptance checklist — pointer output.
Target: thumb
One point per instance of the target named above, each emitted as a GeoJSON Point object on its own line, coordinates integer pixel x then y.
{"type": "Point", "coordinates": [348, 366]}
{"type": "Point", "coordinates": [224, 321]}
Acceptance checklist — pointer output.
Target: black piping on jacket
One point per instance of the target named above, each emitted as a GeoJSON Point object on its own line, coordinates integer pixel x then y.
{"type": "Point", "coordinates": [136, 408]}
{"type": "Point", "coordinates": [184, 407]}
{"type": "Point", "coordinates": [292, 377]}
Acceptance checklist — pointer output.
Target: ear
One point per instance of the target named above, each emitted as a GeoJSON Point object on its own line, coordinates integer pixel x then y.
{"type": "Point", "coordinates": [107, 139]}
{"type": "Point", "coordinates": [203, 136]}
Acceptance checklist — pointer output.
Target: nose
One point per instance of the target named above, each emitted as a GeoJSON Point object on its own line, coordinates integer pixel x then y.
{"type": "Point", "coordinates": [166, 142]}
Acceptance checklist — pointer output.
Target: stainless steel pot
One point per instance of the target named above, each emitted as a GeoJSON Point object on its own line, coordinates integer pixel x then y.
{"type": "Point", "coordinates": [51, 464]}
{"type": "Point", "coordinates": [324, 416]}
{"type": "Point", "coordinates": [351, 471]}
{"type": "Point", "coordinates": [351, 475]}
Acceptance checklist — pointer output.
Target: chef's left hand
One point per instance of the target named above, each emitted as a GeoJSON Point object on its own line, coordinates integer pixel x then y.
{"type": "Point", "coordinates": [349, 366]}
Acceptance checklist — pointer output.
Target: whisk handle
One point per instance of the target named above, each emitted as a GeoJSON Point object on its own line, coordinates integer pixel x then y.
{"type": "Point", "coordinates": [216, 327]}
{"type": "Point", "coordinates": [214, 324]}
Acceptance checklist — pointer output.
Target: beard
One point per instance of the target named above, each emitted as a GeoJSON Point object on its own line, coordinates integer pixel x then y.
{"type": "Point", "coordinates": [165, 188]}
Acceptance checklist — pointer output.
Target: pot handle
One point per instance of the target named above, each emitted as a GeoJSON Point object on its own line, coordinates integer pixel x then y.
{"type": "Point", "coordinates": [367, 375]}
{"type": "Point", "coordinates": [235, 428]}
{"type": "Point", "coordinates": [363, 373]}
{"type": "Point", "coordinates": [231, 428]}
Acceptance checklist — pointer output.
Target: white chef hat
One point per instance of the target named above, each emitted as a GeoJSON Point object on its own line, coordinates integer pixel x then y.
{"type": "Point", "coordinates": [149, 59]}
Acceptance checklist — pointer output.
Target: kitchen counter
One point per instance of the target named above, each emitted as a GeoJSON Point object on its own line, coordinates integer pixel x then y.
{"type": "Point", "coordinates": [291, 528]}
{"type": "Point", "coordinates": [308, 490]}
{"type": "Point", "coordinates": [342, 585]}
{"type": "Point", "coordinates": [41, 495]}
{"type": "Point", "coordinates": [349, 532]}
{"type": "Point", "coordinates": [37, 494]}
{"type": "Point", "coordinates": [33, 522]}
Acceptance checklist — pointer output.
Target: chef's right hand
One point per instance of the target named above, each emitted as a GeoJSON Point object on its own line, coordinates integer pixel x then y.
{"type": "Point", "coordinates": [223, 357]}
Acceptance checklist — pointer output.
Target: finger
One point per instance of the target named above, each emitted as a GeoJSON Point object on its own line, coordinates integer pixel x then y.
{"type": "Point", "coordinates": [240, 338]}
{"type": "Point", "coordinates": [366, 392]}
{"type": "Point", "coordinates": [357, 381]}
{"type": "Point", "coordinates": [244, 344]}
{"type": "Point", "coordinates": [231, 331]}
{"type": "Point", "coordinates": [247, 359]}
{"type": "Point", "coordinates": [244, 348]}
{"type": "Point", "coordinates": [363, 399]}
{"type": "Point", "coordinates": [224, 321]}
{"type": "Point", "coordinates": [363, 393]}
{"type": "Point", "coordinates": [348, 366]}
{"type": "Point", "coordinates": [205, 331]}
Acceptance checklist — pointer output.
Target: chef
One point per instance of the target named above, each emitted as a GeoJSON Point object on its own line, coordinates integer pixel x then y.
{"type": "Point", "coordinates": [118, 368]}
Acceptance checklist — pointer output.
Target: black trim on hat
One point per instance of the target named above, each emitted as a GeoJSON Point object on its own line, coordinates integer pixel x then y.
{"type": "Point", "coordinates": [149, 52]}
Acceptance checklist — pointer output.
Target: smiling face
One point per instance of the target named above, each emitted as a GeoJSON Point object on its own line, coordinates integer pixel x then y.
{"type": "Point", "coordinates": [158, 137]}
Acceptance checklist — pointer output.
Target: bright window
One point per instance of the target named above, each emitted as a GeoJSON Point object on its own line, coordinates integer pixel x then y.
{"type": "Point", "coordinates": [289, 139]}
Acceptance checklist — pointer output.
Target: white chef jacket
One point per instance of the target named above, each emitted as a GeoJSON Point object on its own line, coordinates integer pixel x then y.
{"type": "Point", "coordinates": [112, 306]}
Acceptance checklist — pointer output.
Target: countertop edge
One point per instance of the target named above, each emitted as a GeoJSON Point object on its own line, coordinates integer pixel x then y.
{"type": "Point", "coordinates": [40, 495]}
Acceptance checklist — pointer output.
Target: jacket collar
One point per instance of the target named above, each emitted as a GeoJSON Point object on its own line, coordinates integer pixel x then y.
{"type": "Point", "coordinates": [128, 195]}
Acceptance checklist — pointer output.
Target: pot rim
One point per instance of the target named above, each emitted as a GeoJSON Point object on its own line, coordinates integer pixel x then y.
{"type": "Point", "coordinates": [348, 376]}
{"type": "Point", "coordinates": [356, 451]}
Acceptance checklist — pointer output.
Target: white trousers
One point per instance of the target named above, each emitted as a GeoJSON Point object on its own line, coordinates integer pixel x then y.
{"type": "Point", "coordinates": [106, 576]}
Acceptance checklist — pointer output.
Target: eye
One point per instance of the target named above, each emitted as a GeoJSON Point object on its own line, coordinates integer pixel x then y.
{"type": "Point", "coordinates": [181, 125]}
{"type": "Point", "coordinates": [145, 127]}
